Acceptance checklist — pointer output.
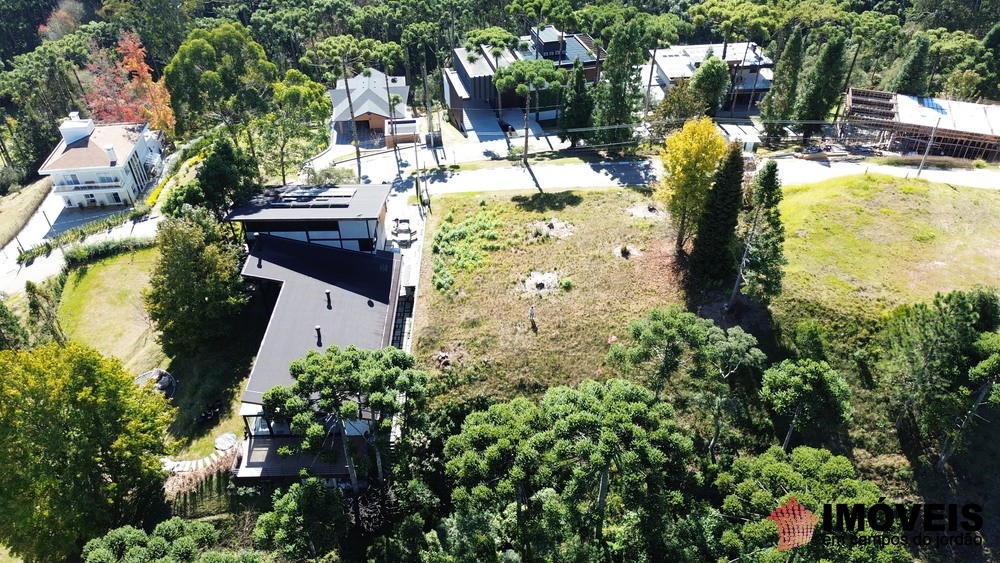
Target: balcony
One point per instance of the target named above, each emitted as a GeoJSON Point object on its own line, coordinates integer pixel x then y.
{"type": "Point", "coordinates": [70, 187]}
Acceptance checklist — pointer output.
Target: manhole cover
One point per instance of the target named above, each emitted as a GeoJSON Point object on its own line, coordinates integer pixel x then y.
{"type": "Point", "coordinates": [226, 441]}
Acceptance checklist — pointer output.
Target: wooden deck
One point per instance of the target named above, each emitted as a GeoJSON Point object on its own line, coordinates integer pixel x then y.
{"type": "Point", "coordinates": [259, 458]}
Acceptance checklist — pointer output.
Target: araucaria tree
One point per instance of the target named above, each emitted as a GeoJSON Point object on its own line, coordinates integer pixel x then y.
{"type": "Point", "coordinates": [779, 103]}
{"type": "Point", "coordinates": [579, 107]}
{"type": "Point", "coordinates": [942, 359]}
{"type": "Point", "coordinates": [754, 485]}
{"type": "Point", "coordinates": [195, 289]}
{"type": "Point", "coordinates": [811, 394]}
{"type": "Point", "coordinates": [342, 57]}
{"type": "Point", "coordinates": [715, 250]}
{"type": "Point", "coordinates": [690, 157]}
{"type": "Point", "coordinates": [345, 383]}
{"type": "Point", "coordinates": [497, 39]}
{"type": "Point", "coordinates": [763, 257]}
{"type": "Point", "coordinates": [524, 77]}
{"type": "Point", "coordinates": [821, 87]}
{"type": "Point", "coordinates": [86, 443]}
{"type": "Point", "coordinates": [711, 80]}
{"type": "Point", "coordinates": [563, 474]}
{"type": "Point", "coordinates": [913, 75]}
{"type": "Point", "coordinates": [308, 521]}
{"type": "Point", "coordinates": [667, 341]}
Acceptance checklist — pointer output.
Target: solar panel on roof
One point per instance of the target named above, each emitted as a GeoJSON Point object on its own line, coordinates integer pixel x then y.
{"type": "Point", "coordinates": [315, 197]}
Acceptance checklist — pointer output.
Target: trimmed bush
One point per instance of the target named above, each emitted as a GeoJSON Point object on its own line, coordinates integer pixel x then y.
{"type": "Point", "coordinates": [80, 254]}
{"type": "Point", "coordinates": [155, 194]}
{"type": "Point", "coordinates": [80, 233]}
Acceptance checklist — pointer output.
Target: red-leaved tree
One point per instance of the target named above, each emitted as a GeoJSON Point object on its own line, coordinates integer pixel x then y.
{"type": "Point", "coordinates": [123, 90]}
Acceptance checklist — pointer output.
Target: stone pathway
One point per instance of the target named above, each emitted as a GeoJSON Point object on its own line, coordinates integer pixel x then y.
{"type": "Point", "coordinates": [172, 466]}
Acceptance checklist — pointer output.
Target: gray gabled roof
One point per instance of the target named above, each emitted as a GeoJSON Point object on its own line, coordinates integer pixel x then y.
{"type": "Point", "coordinates": [361, 310]}
{"type": "Point", "coordinates": [368, 95]}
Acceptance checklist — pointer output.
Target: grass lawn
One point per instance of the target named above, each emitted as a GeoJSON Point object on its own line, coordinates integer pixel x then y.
{"type": "Point", "coordinates": [16, 208]}
{"type": "Point", "coordinates": [861, 245]}
{"type": "Point", "coordinates": [102, 307]}
{"type": "Point", "coordinates": [481, 320]}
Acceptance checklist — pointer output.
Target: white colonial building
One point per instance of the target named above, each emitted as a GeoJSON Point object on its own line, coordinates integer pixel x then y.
{"type": "Point", "coordinates": [102, 164]}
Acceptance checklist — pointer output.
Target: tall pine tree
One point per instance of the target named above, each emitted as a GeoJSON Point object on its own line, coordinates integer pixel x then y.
{"type": "Point", "coordinates": [714, 248]}
{"type": "Point", "coordinates": [765, 255]}
{"type": "Point", "coordinates": [912, 78]}
{"type": "Point", "coordinates": [779, 103]}
{"type": "Point", "coordinates": [821, 86]}
{"type": "Point", "coordinates": [618, 95]}
{"type": "Point", "coordinates": [579, 107]}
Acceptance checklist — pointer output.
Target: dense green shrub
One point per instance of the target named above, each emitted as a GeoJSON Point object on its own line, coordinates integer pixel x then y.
{"type": "Point", "coordinates": [80, 233]}
{"type": "Point", "coordinates": [80, 254]}
{"type": "Point", "coordinates": [11, 177]}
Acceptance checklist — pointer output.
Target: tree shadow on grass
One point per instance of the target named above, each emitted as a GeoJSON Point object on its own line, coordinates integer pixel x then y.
{"type": "Point", "coordinates": [214, 374]}
{"type": "Point", "coordinates": [542, 202]}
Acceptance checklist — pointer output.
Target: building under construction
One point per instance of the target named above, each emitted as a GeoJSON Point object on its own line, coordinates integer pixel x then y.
{"type": "Point", "coordinates": [906, 124]}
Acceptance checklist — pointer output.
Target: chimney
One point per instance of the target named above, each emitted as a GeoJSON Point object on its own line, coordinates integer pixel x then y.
{"type": "Point", "coordinates": [112, 156]}
{"type": "Point", "coordinates": [75, 128]}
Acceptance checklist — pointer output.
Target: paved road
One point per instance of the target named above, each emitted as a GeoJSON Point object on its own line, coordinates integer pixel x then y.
{"type": "Point", "coordinates": [794, 171]}
{"type": "Point", "coordinates": [385, 168]}
{"type": "Point", "coordinates": [13, 275]}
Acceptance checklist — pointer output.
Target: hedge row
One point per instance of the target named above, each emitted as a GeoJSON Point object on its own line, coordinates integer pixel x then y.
{"type": "Point", "coordinates": [80, 233]}
{"type": "Point", "coordinates": [80, 254]}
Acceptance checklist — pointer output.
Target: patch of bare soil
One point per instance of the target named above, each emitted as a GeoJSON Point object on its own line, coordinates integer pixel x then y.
{"type": "Point", "coordinates": [539, 284]}
{"type": "Point", "coordinates": [551, 228]}
{"type": "Point", "coordinates": [450, 355]}
{"type": "Point", "coordinates": [647, 211]}
{"type": "Point", "coordinates": [660, 267]}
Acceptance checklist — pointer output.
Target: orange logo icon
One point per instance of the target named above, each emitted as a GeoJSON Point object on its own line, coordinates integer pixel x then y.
{"type": "Point", "coordinates": [795, 523]}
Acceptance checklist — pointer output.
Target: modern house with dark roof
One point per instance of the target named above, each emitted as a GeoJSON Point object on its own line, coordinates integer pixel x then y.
{"type": "Point", "coordinates": [98, 164]}
{"type": "Point", "coordinates": [373, 113]}
{"type": "Point", "coordinates": [315, 248]}
{"type": "Point", "coordinates": [468, 87]}
{"type": "Point", "coordinates": [350, 216]}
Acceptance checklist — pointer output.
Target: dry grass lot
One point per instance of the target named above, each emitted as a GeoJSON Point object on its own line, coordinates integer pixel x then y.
{"type": "Point", "coordinates": [481, 320]}
{"type": "Point", "coordinates": [16, 208]}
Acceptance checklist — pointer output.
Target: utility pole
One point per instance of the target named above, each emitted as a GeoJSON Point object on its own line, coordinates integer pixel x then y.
{"type": "Point", "coordinates": [928, 149]}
